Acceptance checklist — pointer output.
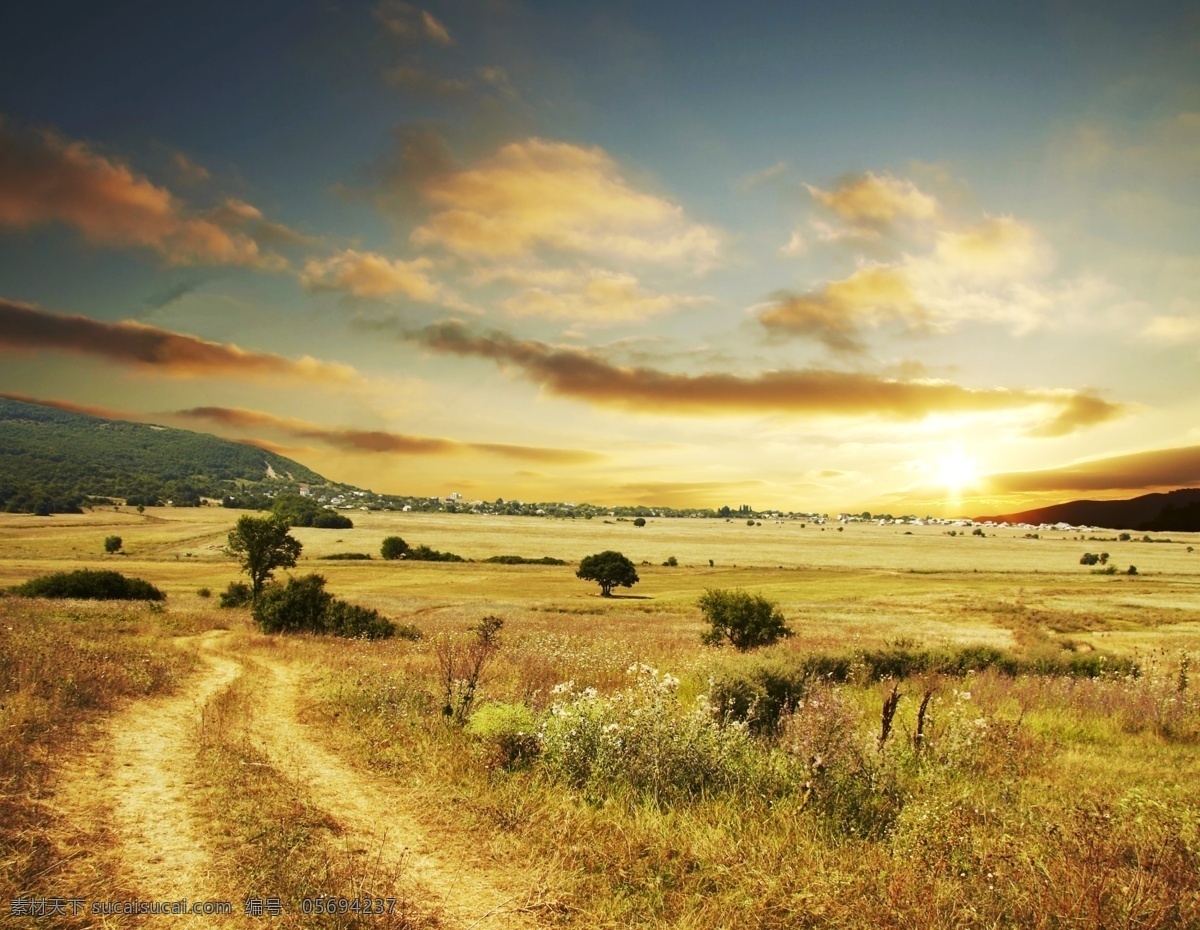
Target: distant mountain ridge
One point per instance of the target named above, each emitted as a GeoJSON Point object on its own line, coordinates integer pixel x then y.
{"type": "Point", "coordinates": [1177, 511]}
{"type": "Point", "coordinates": [52, 460]}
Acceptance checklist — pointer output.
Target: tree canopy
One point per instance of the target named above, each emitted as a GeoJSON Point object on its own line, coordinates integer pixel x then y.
{"type": "Point", "coordinates": [263, 544]}
{"type": "Point", "coordinates": [609, 569]}
{"type": "Point", "coordinates": [746, 620]}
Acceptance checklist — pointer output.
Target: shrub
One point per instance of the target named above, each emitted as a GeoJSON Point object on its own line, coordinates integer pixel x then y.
{"type": "Point", "coordinates": [347, 557]}
{"type": "Point", "coordinates": [393, 548]}
{"type": "Point", "coordinates": [205, 593]}
{"type": "Point", "coordinates": [1089, 558]}
{"type": "Point", "coordinates": [645, 741]}
{"type": "Point", "coordinates": [354, 621]}
{"type": "Point", "coordinates": [238, 594]}
{"type": "Point", "coordinates": [1124, 537]}
{"type": "Point", "coordinates": [91, 585]}
{"type": "Point", "coordinates": [425, 554]}
{"type": "Point", "coordinates": [112, 544]}
{"type": "Point", "coordinates": [507, 734]}
{"type": "Point", "coordinates": [297, 607]}
{"type": "Point", "coordinates": [640, 521]}
{"type": "Point", "coordinates": [671, 562]}
{"type": "Point", "coordinates": [746, 620]}
{"type": "Point", "coordinates": [1132, 570]}
{"type": "Point", "coordinates": [407, 631]}
{"type": "Point", "coordinates": [328, 520]}
{"type": "Point", "coordinates": [522, 560]}
{"type": "Point", "coordinates": [978, 532]}
{"type": "Point", "coordinates": [758, 691]}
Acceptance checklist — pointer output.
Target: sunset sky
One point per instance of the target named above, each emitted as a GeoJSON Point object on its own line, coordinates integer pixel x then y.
{"type": "Point", "coordinates": [924, 257]}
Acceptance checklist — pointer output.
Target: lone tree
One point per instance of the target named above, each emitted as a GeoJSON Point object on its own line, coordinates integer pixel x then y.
{"type": "Point", "coordinates": [608, 569]}
{"type": "Point", "coordinates": [746, 620]}
{"type": "Point", "coordinates": [112, 544]}
{"type": "Point", "coordinates": [262, 544]}
{"type": "Point", "coordinates": [393, 547]}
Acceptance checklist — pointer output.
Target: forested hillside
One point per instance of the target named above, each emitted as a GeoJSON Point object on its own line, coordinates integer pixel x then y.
{"type": "Point", "coordinates": [53, 461]}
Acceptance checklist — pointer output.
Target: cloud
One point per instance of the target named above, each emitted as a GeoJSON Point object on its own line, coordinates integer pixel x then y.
{"type": "Point", "coordinates": [539, 193]}
{"type": "Point", "coordinates": [417, 80]}
{"type": "Point", "coordinates": [189, 171]}
{"type": "Point", "coordinates": [411, 23]}
{"type": "Point", "coordinates": [750, 181]}
{"type": "Point", "coordinates": [380, 441]}
{"type": "Point", "coordinates": [836, 313]}
{"type": "Point", "coordinates": [795, 246]}
{"type": "Point", "coordinates": [876, 201]}
{"type": "Point", "coordinates": [1137, 471]}
{"type": "Point", "coordinates": [1080, 411]}
{"type": "Point", "coordinates": [595, 296]}
{"type": "Point", "coordinates": [368, 274]}
{"type": "Point", "coordinates": [579, 374]}
{"type": "Point", "coordinates": [107, 413]}
{"type": "Point", "coordinates": [46, 179]}
{"type": "Point", "coordinates": [148, 349]}
{"type": "Point", "coordinates": [997, 249]}
{"type": "Point", "coordinates": [1173, 329]}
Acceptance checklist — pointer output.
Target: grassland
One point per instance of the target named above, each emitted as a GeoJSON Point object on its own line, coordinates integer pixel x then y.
{"type": "Point", "coordinates": [1040, 800]}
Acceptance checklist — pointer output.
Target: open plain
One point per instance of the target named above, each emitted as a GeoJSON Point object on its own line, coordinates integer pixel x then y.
{"type": "Point", "coordinates": [1049, 779]}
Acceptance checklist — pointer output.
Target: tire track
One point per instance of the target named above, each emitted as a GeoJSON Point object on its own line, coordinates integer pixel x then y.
{"type": "Point", "coordinates": [135, 778]}
{"type": "Point", "coordinates": [469, 892]}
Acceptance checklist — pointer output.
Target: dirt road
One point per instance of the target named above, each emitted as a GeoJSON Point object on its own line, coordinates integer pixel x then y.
{"type": "Point", "coordinates": [138, 772]}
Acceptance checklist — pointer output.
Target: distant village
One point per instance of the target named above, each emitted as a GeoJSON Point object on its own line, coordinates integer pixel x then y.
{"type": "Point", "coordinates": [345, 498]}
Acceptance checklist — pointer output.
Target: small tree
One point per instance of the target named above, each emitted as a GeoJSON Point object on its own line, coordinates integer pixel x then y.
{"type": "Point", "coordinates": [640, 521]}
{"type": "Point", "coordinates": [608, 569]}
{"type": "Point", "coordinates": [262, 544]}
{"type": "Point", "coordinates": [746, 620]}
{"type": "Point", "coordinates": [112, 544]}
{"type": "Point", "coordinates": [393, 547]}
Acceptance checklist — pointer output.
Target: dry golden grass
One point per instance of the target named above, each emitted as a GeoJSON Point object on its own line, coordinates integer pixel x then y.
{"type": "Point", "coordinates": [1073, 806]}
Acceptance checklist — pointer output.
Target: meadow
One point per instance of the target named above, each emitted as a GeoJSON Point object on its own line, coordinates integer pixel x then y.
{"type": "Point", "coordinates": [1040, 767]}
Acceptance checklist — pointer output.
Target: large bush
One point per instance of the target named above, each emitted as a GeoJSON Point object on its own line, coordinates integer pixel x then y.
{"type": "Point", "coordinates": [393, 548]}
{"type": "Point", "coordinates": [304, 606]}
{"type": "Point", "coordinates": [746, 620]}
{"type": "Point", "coordinates": [238, 594]}
{"type": "Point", "coordinates": [87, 584]}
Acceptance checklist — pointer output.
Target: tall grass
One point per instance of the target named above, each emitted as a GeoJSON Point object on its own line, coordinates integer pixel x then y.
{"type": "Point", "coordinates": [62, 665]}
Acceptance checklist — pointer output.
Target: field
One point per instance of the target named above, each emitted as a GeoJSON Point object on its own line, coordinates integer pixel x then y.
{"type": "Point", "coordinates": [1040, 770]}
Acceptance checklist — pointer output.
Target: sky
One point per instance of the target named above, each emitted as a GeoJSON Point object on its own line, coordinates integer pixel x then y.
{"type": "Point", "coordinates": [910, 258]}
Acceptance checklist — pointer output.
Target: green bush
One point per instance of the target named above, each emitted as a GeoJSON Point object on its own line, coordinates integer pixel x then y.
{"type": "Point", "coordinates": [112, 544]}
{"type": "Point", "coordinates": [425, 554]}
{"type": "Point", "coordinates": [758, 691]}
{"type": "Point", "coordinates": [91, 585]}
{"type": "Point", "coordinates": [746, 620]}
{"type": "Point", "coordinates": [640, 521]}
{"type": "Point", "coordinates": [297, 607]}
{"type": "Point", "coordinates": [205, 593]}
{"type": "Point", "coordinates": [523, 560]}
{"type": "Point", "coordinates": [304, 606]}
{"type": "Point", "coordinates": [238, 594]}
{"type": "Point", "coordinates": [507, 734]}
{"type": "Point", "coordinates": [646, 743]}
{"type": "Point", "coordinates": [393, 548]}
{"type": "Point", "coordinates": [355, 621]}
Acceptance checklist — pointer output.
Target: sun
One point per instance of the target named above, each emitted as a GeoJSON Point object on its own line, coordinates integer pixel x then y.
{"type": "Point", "coordinates": [956, 471]}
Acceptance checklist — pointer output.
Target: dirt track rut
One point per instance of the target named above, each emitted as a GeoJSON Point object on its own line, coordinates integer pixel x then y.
{"type": "Point", "coordinates": [137, 775]}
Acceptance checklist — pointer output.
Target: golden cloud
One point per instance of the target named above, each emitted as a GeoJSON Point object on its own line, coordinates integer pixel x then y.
{"type": "Point", "coordinates": [1080, 410]}
{"type": "Point", "coordinates": [46, 179]}
{"type": "Point", "coordinates": [1137, 471]}
{"type": "Point", "coordinates": [148, 349]}
{"type": "Point", "coordinates": [997, 249]}
{"type": "Point", "coordinates": [876, 200]}
{"type": "Point", "coordinates": [379, 441]}
{"type": "Point", "coordinates": [411, 23]}
{"type": "Point", "coordinates": [579, 374]}
{"type": "Point", "coordinates": [367, 274]}
{"type": "Point", "coordinates": [106, 413]}
{"type": "Point", "coordinates": [837, 313]}
{"type": "Point", "coordinates": [539, 193]}
{"type": "Point", "coordinates": [596, 296]}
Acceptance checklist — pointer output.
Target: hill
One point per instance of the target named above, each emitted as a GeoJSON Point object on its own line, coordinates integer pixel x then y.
{"type": "Point", "coordinates": [1177, 511]}
{"type": "Point", "coordinates": [53, 460]}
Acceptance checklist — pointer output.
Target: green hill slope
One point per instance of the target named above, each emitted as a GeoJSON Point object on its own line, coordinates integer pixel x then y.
{"type": "Point", "coordinates": [53, 460]}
